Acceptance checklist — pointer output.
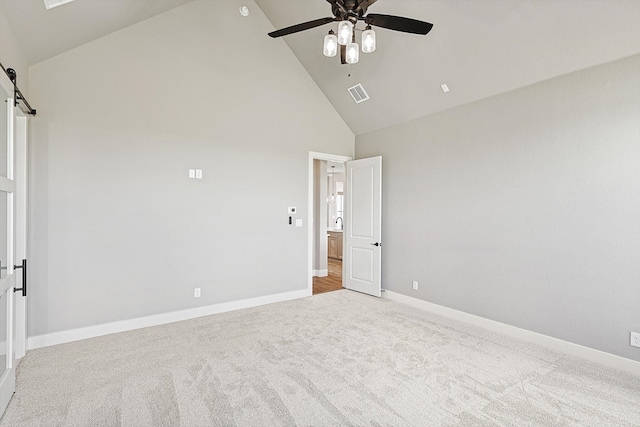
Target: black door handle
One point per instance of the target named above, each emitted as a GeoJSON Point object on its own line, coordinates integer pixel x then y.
{"type": "Point", "coordinates": [24, 277]}
{"type": "Point", "coordinates": [377, 244]}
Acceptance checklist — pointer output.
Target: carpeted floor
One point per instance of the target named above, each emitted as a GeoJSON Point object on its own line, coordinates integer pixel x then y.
{"type": "Point", "coordinates": [335, 359]}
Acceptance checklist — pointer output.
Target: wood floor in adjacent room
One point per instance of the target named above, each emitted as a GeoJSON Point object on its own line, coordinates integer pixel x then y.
{"type": "Point", "coordinates": [332, 282]}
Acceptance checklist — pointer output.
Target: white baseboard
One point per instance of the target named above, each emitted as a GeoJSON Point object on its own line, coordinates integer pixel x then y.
{"type": "Point", "coordinates": [62, 337]}
{"type": "Point", "coordinates": [320, 273]}
{"type": "Point", "coordinates": [577, 350]}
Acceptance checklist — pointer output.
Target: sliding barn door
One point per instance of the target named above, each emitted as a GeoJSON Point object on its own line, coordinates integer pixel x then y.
{"type": "Point", "coordinates": [7, 229]}
{"type": "Point", "coordinates": [362, 256]}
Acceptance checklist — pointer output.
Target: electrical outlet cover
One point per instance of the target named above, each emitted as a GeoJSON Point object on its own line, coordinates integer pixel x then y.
{"type": "Point", "coordinates": [635, 339]}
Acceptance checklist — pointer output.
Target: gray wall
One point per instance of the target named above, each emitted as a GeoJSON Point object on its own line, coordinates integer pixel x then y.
{"type": "Point", "coordinates": [523, 208]}
{"type": "Point", "coordinates": [319, 215]}
{"type": "Point", "coordinates": [118, 231]}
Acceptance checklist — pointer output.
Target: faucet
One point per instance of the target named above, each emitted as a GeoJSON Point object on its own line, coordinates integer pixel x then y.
{"type": "Point", "coordinates": [341, 222]}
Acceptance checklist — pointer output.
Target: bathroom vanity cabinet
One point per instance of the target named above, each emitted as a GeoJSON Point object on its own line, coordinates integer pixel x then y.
{"type": "Point", "coordinates": [334, 248]}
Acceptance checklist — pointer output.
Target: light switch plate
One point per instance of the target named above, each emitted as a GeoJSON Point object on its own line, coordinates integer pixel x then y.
{"type": "Point", "coordinates": [298, 223]}
{"type": "Point", "coordinates": [198, 173]}
{"type": "Point", "coordinates": [635, 339]}
{"type": "Point", "coordinates": [192, 173]}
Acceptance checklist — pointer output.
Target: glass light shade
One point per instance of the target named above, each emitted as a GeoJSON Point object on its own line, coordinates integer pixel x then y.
{"type": "Point", "coordinates": [330, 45]}
{"type": "Point", "coordinates": [353, 53]}
{"type": "Point", "coordinates": [345, 32]}
{"type": "Point", "coordinates": [368, 41]}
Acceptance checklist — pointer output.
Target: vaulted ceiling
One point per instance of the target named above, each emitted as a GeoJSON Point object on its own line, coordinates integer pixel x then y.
{"type": "Point", "coordinates": [46, 33]}
{"type": "Point", "coordinates": [479, 48]}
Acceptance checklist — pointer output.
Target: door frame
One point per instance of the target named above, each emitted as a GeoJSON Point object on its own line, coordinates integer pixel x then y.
{"type": "Point", "coordinates": [310, 223]}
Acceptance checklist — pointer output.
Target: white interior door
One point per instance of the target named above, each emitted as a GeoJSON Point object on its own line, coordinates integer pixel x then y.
{"type": "Point", "coordinates": [7, 232]}
{"type": "Point", "coordinates": [362, 254]}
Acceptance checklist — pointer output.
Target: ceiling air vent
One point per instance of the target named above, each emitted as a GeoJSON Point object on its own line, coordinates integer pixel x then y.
{"type": "Point", "coordinates": [358, 94]}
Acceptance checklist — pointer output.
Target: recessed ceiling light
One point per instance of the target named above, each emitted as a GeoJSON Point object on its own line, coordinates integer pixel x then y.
{"type": "Point", "coordinates": [50, 4]}
{"type": "Point", "coordinates": [444, 87]}
{"type": "Point", "coordinates": [244, 11]}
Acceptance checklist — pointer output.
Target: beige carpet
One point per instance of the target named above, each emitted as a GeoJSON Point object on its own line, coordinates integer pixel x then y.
{"type": "Point", "coordinates": [336, 359]}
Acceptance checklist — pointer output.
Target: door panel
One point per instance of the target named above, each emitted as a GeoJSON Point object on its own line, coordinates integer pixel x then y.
{"type": "Point", "coordinates": [20, 154]}
{"type": "Point", "coordinates": [363, 226]}
{"type": "Point", "coordinates": [4, 148]}
{"type": "Point", "coordinates": [3, 333]}
{"type": "Point", "coordinates": [4, 225]}
{"type": "Point", "coordinates": [362, 262]}
{"type": "Point", "coordinates": [362, 202]}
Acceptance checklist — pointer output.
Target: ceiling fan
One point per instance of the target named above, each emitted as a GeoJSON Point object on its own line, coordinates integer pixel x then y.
{"type": "Point", "coordinates": [348, 13]}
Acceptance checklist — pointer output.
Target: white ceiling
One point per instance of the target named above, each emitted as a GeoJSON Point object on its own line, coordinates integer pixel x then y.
{"type": "Point", "coordinates": [44, 34]}
{"type": "Point", "coordinates": [479, 48]}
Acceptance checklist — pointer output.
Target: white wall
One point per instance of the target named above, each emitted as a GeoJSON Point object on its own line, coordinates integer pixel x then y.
{"type": "Point", "coordinates": [332, 207]}
{"type": "Point", "coordinates": [11, 55]}
{"type": "Point", "coordinates": [523, 208]}
{"type": "Point", "coordinates": [118, 229]}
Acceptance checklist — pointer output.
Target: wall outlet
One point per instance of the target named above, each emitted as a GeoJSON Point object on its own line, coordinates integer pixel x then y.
{"type": "Point", "coordinates": [196, 293]}
{"type": "Point", "coordinates": [198, 173]}
{"type": "Point", "coordinates": [635, 339]}
{"type": "Point", "coordinates": [415, 285]}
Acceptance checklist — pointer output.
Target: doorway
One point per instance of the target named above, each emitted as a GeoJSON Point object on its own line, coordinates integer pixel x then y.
{"type": "Point", "coordinates": [326, 213]}
{"type": "Point", "coordinates": [333, 203]}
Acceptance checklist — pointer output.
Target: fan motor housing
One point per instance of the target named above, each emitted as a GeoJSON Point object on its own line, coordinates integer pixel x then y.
{"type": "Point", "coordinates": [347, 10]}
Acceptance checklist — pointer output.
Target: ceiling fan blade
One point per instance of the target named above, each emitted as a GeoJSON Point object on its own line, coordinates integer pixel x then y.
{"type": "Point", "coordinates": [300, 27]}
{"type": "Point", "coordinates": [398, 23]}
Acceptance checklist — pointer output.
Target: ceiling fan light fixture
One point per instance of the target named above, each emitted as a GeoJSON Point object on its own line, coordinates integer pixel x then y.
{"type": "Point", "coordinates": [353, 53]}
{"type": "Point", "coordinates": [368, 40]}
{"type": "Point", "coordinates": [330, 48]}
{"type": "Point", "coordinates": [345, 32]}
{"type": "Point", "coordinates": [347, 13]}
